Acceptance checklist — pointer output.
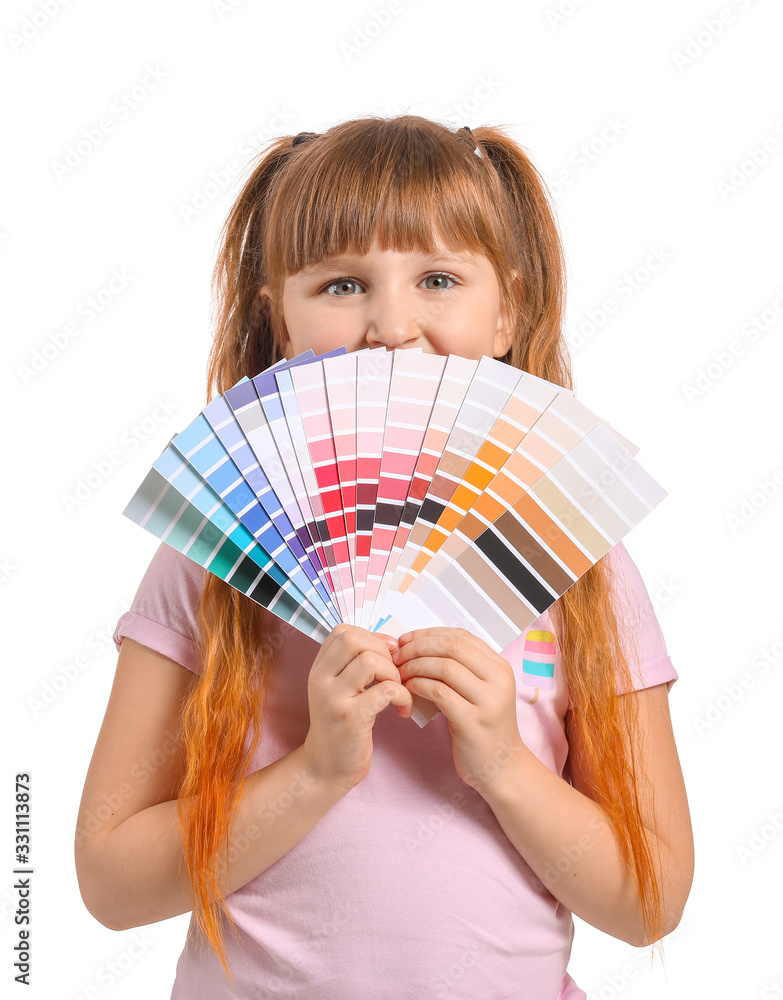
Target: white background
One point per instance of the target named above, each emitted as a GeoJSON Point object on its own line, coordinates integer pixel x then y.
{"type": "Point", "coordinates": [670, 102]}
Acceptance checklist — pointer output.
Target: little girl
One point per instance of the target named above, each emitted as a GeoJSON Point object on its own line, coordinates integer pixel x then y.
{"type": "Point", "coordinates": [326, 845]}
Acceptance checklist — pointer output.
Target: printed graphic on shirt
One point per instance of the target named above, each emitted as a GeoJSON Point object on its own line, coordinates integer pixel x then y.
{"type": "Point", "coordinates": [538, 666]}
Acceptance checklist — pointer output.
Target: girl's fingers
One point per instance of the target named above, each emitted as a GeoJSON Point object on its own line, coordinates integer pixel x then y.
{"type": "Point", "coordinates": [456, 644]}
{"type": "Point", "coordinates": [344, 644]}
{"type": "Point", "coordinates": [366, 668]}
{"type": "Point", "coordinates": [330, 640]}
{"type": "Point", "coordinates": [456, 675]}
{"type": "Point", "coordinates": [364, 675]}
{"type": "Point", "coordinates": [357, 634]}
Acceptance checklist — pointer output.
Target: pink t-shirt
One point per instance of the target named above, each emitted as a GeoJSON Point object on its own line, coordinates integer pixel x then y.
{"type": "Point", "coordinates": [408, 887]}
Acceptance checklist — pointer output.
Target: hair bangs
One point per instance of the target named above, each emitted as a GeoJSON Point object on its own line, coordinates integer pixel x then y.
{"type": "Point", "coordinates": [413, 188]}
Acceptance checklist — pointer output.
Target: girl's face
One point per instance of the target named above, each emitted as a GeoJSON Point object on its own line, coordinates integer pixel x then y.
{"type": "Point", "coordinates": [444, 304]}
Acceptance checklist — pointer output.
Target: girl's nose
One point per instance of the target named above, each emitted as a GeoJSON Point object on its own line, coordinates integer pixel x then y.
{"type": "Point", "coordinates": [392, 324]}
{"type": "Point", "coordinates": [392, 317]}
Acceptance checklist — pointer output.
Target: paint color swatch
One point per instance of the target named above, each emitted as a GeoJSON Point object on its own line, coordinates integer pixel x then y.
{"type": "Point", "coordinates": [397, 490]}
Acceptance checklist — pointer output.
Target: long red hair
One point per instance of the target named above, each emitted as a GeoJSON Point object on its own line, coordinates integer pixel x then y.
{"type": "Point", "coordinates": [414, 183]}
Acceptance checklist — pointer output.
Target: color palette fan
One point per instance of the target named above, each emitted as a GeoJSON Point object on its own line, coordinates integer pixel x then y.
{"type": "Point", "coordinates": [397, 490]}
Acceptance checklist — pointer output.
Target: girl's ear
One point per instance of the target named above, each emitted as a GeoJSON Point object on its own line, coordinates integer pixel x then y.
{"type": "Point", "coordinates": [503, 339]}
{"type": "Point", "coordinates": [285, 345]}
{"type": "Point", "coordinates": [504, 335]}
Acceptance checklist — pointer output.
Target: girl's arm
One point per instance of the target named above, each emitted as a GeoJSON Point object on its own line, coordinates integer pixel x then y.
{"type": "Point", "coordinates": [566, 838]}
{"type": "Point", "coordinates": [128, 848]}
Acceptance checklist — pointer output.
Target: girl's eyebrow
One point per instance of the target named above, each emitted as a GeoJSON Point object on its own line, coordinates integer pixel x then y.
{"type": "Point", "coordinates": [425, 258]}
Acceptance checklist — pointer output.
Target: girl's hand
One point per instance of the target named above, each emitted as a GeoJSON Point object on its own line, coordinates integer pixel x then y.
{"type": "Point", "coordinates": [475, 689]}
{"type": "Point", "coordinates": [338, 745]}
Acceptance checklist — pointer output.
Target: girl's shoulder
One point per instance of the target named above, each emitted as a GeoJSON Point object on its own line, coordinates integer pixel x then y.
{"type": "Point", "coordinates": [641, 630]}
{"type": "Point", "coordinates": [163, 614]}
{"type": "Point", "coordinates": [171, 584]}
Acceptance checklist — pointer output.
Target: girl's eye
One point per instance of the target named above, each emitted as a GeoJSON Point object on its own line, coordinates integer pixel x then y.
{"type": "Point", "coordinates": [440, 275]}
{"type": "Point", "coordinates": [341, 283]}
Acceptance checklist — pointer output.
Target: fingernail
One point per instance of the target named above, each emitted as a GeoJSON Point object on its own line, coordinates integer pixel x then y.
{"type": "Point", "coordinates": [390, 641]}
{"type": "Point", "coordinates": [406, 636]}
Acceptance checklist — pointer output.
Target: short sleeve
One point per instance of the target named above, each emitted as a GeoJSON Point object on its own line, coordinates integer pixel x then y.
{"type": "Point", "coordinates": [641, 630]}
{"type": "Point", "coordinates": [164, 612]}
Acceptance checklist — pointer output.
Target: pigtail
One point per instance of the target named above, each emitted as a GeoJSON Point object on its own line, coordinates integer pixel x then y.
{"type": "Point", "coordinates": [244, 342]}
{"type": "Point", "coordinates": [539, 347]}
